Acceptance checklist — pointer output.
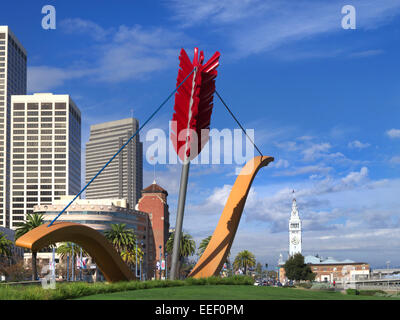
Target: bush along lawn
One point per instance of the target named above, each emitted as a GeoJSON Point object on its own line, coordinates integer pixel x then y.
{"type": "Point", "coordinates": [74, 290]}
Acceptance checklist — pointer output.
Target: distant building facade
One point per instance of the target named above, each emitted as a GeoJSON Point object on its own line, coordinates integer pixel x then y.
{"type": "Point", "coordinates": [149, 220]}
{"type": "Point", "coordinates": [13, 80]}
{"type": "Point", "coordinates": [45, 151]}
{"type": "Point", "coordinates": [99, 214]}
{"type": "Point", "coordinates": [123, 178]}
{"type": "Point", "coordinates": [326, 270]}
{"type": "Point", "coordinates": [330, 270]}
{"type": "Point", "coordinates": [154, 202]}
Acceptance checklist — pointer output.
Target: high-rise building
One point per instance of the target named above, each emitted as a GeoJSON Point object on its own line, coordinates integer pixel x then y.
{"type": "Point", "coordinates": [12, 81]}
{"type": "Point", "coordinates": [123, 178]}
{"type": "Point", "coordinates": [45, 151]}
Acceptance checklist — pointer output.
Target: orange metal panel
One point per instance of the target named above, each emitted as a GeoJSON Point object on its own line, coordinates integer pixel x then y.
{"type": "Point", "coordinates": [97, 246]}
{"type": "Point", "coordinates": [213, 258]}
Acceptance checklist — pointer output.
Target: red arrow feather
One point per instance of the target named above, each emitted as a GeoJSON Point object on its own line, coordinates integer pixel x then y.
{"type": "Point", "coordinates": [193, 104]}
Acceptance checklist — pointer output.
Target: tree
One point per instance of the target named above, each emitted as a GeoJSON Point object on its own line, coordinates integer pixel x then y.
{"type": "Point", "coordinates": [244, 259]}
{"type": "Point", "coordinates": [32, 221]}
{"type": "Point", "coordinates": [203, 245]}
{"type": "Point", "coordinates": [296, 269]}
{"type": "Point", "coordinates": [121, 237]}
{"type": "Point", "coordinates": [65, 249]}
{"type": "Point", "coordinates": [259, 269]}
{"type": "Point", "coordinates": [187, 247]}
{"type": "Point", "coordinates": [272, 274]}
{"type": "Point", "coordinates": [129, 256]}
{"type": "Point", "coordinates": [5, 246]}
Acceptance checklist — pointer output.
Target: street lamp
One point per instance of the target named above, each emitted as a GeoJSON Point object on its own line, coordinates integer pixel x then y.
{"type": "Point", "coordinates": [73, 264]}
{"type": "Point", "coordinates": [136, 259]}
{"type": "Point", "coordinates": [160, 260]}
{"type": "Point", "coordinates": [141, 245]}
{"type": "Point", "coordinates": [166, 267]}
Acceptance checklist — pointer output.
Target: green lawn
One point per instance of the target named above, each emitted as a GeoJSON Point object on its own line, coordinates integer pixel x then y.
{"type": "Point", "coordinates": [227, 292]}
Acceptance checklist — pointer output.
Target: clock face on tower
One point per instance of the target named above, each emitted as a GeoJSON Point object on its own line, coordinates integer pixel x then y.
{"type": "Point", "coordinates": [295, 240]}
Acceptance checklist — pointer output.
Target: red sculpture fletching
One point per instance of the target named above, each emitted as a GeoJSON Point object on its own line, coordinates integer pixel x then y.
{"type": "Point", "coordinates": [193, 104]}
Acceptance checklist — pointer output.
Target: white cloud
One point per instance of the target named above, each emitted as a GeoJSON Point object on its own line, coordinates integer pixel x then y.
{"type": "Point", "coordinates": [281, 163]}
{"type": "Point", "coordinates": [253, 27]}
{"type": "Point", "coordinates": [220, 195]}
{"type": "Point", "coordinates": [85, 27]}
{"type": "Point", "coordinates": [356, 177]}
{"type": "Point", "coordinates": [305, 170]}
{"type": "Point", "coordinates": [315, 151]}
{"type": "Point", "coordinates": [366, 53]}
{"type": "Point", "coordinates": [395, 160]}
{"type": "Point", "coordinates": [43, 78]}
{"type": "Point", "coordinates": [393, 133]}
{"type": "Point", "coordinates": [356, 144]}
{"type": "Point", "coordinates": [119, 54]}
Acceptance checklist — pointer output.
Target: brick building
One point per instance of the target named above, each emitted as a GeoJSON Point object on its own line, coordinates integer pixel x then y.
{"type": "Point", "coordinates": [154, 202]}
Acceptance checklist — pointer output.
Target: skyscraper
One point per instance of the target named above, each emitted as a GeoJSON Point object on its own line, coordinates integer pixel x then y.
{"type": "Point", "coordinates": [12, 81]}
{"type": "Point", "coordinates": [45, 151]}
{"type": "Point", "coordinates": [123, 178]}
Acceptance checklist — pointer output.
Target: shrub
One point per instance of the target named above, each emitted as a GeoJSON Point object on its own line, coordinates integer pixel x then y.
{"type": "Point", "coordinates": [73, 290]}
{"type": "Point", "coordinates": [371, 292]}
{"type": "Point", "coordinates": [352, 292]}
{"type": "Point", "coordinates": [306, 285]}
{"type": "Point", "coordinates": [321, 286]}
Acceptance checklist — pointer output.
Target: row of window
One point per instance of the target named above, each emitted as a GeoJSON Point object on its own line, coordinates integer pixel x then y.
{"type": "Point", "coordinates": [57, 137]}
{"type": "Point", "coordinates": [42, 125]}
{"type": "Point", "coordinates": [35, 106]}
{"type": "Point", "coordinates": [36, 113]}
{"type": "Point", "coordinates": [43, 131]}
{"type": "Point", "coordinates": [21, 144]}
{"type": "Point", "coordinates": [35, 155]}
{"type": "Point", "coordinates": [35, 174]}
{"type": "Point", "coordinates": [35, 193]}
{"type": "Point", "coordinates": [29, 199]}
{"type": "Point", "coordinates": [35, 119]}
{"type": "Point", "coordinates": [32, 162]}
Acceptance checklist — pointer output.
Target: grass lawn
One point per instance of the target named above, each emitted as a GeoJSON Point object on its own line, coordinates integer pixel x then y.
{"type": "Point", "coordinates": [228, 292]}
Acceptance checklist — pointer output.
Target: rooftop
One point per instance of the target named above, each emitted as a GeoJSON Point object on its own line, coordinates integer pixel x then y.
{"type": "Point", "coordinates": [154, 188]}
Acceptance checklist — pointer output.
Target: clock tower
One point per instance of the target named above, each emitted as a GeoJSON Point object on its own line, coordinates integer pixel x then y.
{"type": "Point", "coordinates": [294, 230]}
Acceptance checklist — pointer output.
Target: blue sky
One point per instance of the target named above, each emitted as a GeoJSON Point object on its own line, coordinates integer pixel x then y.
{"type": "Point", "coordinates": [322, 100]}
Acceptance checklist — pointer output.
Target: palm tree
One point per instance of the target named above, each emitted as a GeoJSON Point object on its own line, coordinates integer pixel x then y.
{"type": "Point", "coordinates": [129, 256]}
{"type": "Point", "coordinates": [121, 237]}
{"type": "Point", "coordinates": [32, 221]}
{"type": "Point", "coordinates": [65, 249]}
{"type": "Point", "coordinates": [5, 245]}
{"type": "Point", "coordinates": [244, 259]}
{"type": "Point", "coordinates": [187, 246]}
{"type": "Point", "coordinates": [203, 245]}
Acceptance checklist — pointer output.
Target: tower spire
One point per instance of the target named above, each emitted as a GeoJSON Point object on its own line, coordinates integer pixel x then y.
{"type": "Point", "coordinates": [295, 241]}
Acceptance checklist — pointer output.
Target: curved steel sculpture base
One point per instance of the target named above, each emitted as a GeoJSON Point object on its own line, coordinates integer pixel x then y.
{"type": "Point", "coordinates": [96, 245]}
{"type": "Point", "coordinates": [213, 258]}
